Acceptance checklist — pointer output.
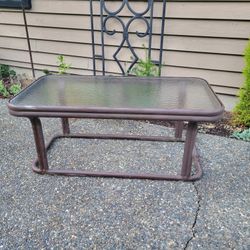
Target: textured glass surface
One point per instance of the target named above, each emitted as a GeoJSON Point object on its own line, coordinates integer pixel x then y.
{"type": "Point", "coordinates": [116, 92]}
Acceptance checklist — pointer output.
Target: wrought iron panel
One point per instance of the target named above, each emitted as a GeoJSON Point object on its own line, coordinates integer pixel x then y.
{"type": "Point", "coordinates": [109, 17]}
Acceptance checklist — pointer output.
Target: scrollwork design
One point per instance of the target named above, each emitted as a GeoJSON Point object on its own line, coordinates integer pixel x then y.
{"type": "Point", "coordinates": [109, 32]}
{"type": "Point", "coordinates": [138, 33]}
{"type": "Point", "coordinates": [108, 15]}
{"type": "Point", "coordinates": [137, 14]}
{"type": "Point", "coordinates": [113, 13]}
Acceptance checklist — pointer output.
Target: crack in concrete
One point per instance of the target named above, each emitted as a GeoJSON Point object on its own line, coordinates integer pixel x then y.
{"type": "Point", "coordinates": [196, 216]}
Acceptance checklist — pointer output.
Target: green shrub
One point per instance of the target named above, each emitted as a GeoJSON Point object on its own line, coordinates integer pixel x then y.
{"type": "Point", "coordinates": [5, 71]}
{"type": "Point", "coordinates": [145, 67]}
{"type": "Point", "coordinates": [241, 112]}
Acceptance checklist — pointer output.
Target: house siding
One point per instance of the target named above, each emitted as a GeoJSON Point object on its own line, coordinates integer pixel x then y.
{"type": "Point", "coordinates": [202, 39]}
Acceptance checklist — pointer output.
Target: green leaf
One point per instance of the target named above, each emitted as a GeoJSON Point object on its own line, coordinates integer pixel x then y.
{"type": "Point", "coordinates": [3, 91]}
{"type": "Point", "coordinates": [242, 135]}
{"type": "Point", "coordinates": [145, 67]}
{"type": "Point", "coordinates": [15, 89]}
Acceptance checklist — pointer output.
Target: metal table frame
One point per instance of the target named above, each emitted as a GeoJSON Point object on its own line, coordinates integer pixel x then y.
{"type": "Point", "coordinates": [190, 153]}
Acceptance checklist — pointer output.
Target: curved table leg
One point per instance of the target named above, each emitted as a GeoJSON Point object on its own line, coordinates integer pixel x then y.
{"type": "Point", "coordinates": [65, 126]}
{"type": "Point", "coordinates": [40, 145]}
{"type": "Point", "coordinates": [188, 149]}
{"type": "Point", "coordinates": [179, 129]}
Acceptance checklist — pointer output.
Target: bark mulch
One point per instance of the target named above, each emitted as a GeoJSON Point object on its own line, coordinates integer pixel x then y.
{"type": "Point", "coordinates": [222, 127]}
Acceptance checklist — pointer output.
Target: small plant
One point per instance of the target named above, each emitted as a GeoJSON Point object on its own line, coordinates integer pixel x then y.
{"type": "Point", "coordinates": [145, 67]}
{"type": "Point", "coordinates": [46, 72]}
{"type": "Point", "coordinates": [3, 90]}
{"type": "Point", "coordinates": [241, 112]}
{"type": "Point", "coordinates": [242, 135]}
{"type": "Point", "coordinates": [15, 89]}
{"type": "Point", "coordinates": [9, 84]}
{"type": "Point", "coordinates": [6, 72]}
{"type": "Point", "coordinates": [62, 66]}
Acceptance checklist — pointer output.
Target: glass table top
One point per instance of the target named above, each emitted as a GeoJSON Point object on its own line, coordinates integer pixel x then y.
{"type": "Point", "coordinates": [117, 94]}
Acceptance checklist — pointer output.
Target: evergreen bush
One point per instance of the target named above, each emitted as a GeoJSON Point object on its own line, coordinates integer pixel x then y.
{"type": "Point", "coordinates": [241, 112]}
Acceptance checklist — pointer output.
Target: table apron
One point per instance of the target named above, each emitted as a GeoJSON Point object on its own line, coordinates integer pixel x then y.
{"type": "Point", "coordinates": [117, 116]}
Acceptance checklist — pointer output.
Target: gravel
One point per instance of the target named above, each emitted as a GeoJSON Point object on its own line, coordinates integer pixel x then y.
{"type": "Point", "coordinates": [47, 212]}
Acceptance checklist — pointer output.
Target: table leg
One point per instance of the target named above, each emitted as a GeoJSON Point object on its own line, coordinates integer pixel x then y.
{"type": "Point", "coordinates": [65, 126]}
{"type": "Point", "coordinates": [179, 129]}
{"type": "Point", "coordinates": [188, 149]}
{"type": "Point", "coordinates": [40, 145]}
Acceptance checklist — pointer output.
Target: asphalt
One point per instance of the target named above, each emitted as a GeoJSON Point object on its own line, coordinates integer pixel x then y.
{"type": "Point", "coordinates": [53, 212]}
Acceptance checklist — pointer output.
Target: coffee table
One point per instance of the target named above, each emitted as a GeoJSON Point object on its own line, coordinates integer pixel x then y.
{"type": "Point", "coordinates": [178, 99]}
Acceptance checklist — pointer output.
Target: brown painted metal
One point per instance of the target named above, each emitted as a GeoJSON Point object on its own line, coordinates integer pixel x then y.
{"type": "Point", "coordinates": [69, 172]}
{"type": "Point", "coordinates": [188, 149]}
{"type": "Point", "coordinates": [40, 145]}
{"type": "Point", "coordinates": [34, 112]}
{"type": "Point", "coordinates": [115, 116]}
{"type": "Point", "coordinates": [41, 164]}
{"type": "Point", "coordinates": [123, 137]}
{"type": "Point", "coordinates": [179, 129]}
{"type": "Point", "coordinates": [65, 125]}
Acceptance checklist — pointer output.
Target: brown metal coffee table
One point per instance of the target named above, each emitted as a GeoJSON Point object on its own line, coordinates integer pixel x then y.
{"type": "Point", "coordinates": [178, 99]}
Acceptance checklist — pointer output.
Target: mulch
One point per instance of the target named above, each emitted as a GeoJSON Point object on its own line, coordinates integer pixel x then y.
{"type": "Point", "coordinates": [222, 127]}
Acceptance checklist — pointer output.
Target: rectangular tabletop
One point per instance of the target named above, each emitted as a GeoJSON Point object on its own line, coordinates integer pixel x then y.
{"type": "Point", "coordinates": [118, 95]}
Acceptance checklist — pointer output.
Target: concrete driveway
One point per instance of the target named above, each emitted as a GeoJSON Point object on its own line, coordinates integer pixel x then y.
{"type": "Point", "coordinates": [52, 212]}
